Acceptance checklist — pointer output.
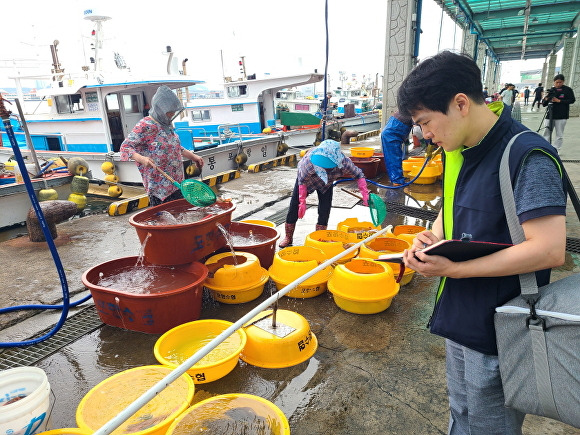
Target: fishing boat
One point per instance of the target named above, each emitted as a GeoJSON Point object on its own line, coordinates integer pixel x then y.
{"type": "Point", "coordinates": [89, 113]}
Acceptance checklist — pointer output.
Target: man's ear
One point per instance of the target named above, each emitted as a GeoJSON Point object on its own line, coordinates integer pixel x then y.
{"type": "Point", "coordinates": [462, 103]}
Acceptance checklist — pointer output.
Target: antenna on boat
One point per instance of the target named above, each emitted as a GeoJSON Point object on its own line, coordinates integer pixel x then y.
{"type": "Point", "coordinates": [57, 70]}
{"type": "Point", "coordinates": [94, 16]}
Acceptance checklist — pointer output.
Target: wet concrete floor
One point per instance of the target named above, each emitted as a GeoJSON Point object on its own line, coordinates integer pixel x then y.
{"type": "Point", "coordinates": [374, 374]}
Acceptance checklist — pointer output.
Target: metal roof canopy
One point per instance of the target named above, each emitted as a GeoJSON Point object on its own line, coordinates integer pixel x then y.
{"type": "Point", "coordinates": [517, 29]}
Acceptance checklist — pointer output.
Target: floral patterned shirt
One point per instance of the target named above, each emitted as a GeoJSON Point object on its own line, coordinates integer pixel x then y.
{"type": "Point", "coordinates": [163, 147]}
{"type": "Point", "coordinates": [307, 174]}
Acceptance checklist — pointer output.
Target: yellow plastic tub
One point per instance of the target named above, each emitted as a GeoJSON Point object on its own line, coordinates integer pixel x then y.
{"type": "Point", "coordinates": [356, 229]}
{"type": "Point", "coordinates": [181, 342]}
{"type": "Point", "coordinates": [266, 349]}
{"type": "Point", "coordinates": [292, 262]}
{"type": "Point", "coordinates": [235, 280]}
{"type": "Point", "coordinates": [104, 401]}
{"type": "Point", "coordinates": [429, 174]}
{"type": "Point", "coordinates": [388, 245]}
{"type": "Point", "coordinates": [67, 431]}
{"type": "Point", "coordinates": [232, 414]}
{"type": "Point", "coordinates": [363, 286]}
{"type": "Point", "coordinates": [331, 242]}
{"type": "Point", "coordinates": [407, 232]}
{"type": "Point", "coordinates": [362, 151]}
{"type": "Point", "coordinates": [259, 222]}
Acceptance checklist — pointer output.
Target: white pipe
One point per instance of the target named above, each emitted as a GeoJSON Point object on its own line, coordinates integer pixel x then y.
{"type": "Point", "coordinates": [150, 394]}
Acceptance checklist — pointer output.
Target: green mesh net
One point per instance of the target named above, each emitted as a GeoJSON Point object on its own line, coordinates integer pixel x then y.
{"type": "Point", "coordinates": [378, 209]}
{"type": "Point", "coordinates": [197, 193]}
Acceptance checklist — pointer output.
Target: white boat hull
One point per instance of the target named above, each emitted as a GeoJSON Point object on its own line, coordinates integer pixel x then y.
{"type": "Point", "coordinates": [16, 203]}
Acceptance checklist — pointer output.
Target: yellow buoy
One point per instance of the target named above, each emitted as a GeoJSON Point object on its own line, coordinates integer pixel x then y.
{"type": "Point", "coordinates": [267, 130]}
{"type": "Point", "coordinates": [115, 191]}
{"type": "Point", "coordinates": [47, 195]}
{"type": "Point", "coordinates": [80, 184]}
{"type": "Point", "coordinates": [192, 170]}
{"type": "Point", "coordinates": [108, 167]}
{"type": "Point", "coordinates": [303, 152]}
{"type": "Point", "coordinates": [111, 178]}
{"type": "Point", "coordinates": [241, 158]}
{"type": "Point", "coordinates": [79, 200]}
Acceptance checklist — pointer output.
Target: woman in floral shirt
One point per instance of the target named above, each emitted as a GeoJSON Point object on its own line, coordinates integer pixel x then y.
{"type": "Point", "coordinates": [153, 143]}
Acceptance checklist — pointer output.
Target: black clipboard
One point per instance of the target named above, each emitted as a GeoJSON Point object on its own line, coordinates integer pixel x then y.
{"type": "Point", "coordinates": [454, 250]}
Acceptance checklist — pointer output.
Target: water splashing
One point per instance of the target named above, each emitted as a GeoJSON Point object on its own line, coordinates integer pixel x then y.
{"type": "Point", "coordinates": [141, 256]}
{"type": "Point", "coordinates": [229, 241]}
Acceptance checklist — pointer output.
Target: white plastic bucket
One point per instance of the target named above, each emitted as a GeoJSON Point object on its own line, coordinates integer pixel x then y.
{"type": "Point", "coordinates": [30, 168]}
{"type": "Point", "coordinates": [28, 415]}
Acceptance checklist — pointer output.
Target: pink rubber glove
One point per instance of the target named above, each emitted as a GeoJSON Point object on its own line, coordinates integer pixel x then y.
{"type": "Point", "coordinates": [302, 193]}
{"type": "Point", "coordinates": [362, 187]}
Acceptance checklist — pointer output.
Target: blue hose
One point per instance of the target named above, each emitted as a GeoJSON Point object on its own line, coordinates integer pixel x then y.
{"type": "Point", "coordinates": [46, 231]}
{"type": "Point", "coordinates": [385, 186]}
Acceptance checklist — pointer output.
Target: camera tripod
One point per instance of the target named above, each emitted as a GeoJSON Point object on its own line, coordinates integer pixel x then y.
{"type": "Point", "coordinates": [548, 116]}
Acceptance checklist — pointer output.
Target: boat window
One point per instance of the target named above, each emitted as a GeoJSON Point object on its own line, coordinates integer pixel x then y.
{"type": "Point", "coordinates": [112, 102]}
{"type": "Point", "coordinates": [305, 107]}
{"type": "Point", "coordinates": [355, 94]}
{"type": "Point", "coordinates": [237, 91]}
{"type": "Point", "coordinates": [69, 103]}
{"type": "Point", "coordinates": [200, 115]}
{"type": "Point", "coordinates": [131, 103]}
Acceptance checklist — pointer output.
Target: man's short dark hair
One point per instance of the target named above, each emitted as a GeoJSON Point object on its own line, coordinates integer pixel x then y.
{"type": "Point", "coordinates": [559, 77]}
{"type": "Point", "coordinates": [539, 84]}
{"type": "Point", "coordinates": [436, 80]}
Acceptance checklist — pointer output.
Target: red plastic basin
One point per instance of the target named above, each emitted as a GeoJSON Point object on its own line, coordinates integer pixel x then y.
{"type": "Point", "coordinates": [165, 298]}
{"type": "Point", "coordinates": [171, 244]}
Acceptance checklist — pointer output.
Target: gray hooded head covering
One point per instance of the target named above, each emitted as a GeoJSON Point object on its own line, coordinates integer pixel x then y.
{"type": "Point", "coordinates": [162, 102]}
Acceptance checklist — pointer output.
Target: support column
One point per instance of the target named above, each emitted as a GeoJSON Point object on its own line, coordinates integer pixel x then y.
{"type": "Point", "coordinates": [490, 75]}
{"type": "Point", "coordinates": [551, 72]}
{"type": "Point", "coordinates": [568, 57]}
{"type": "Point", "coordinates": [398, 51]}
{"type": "Point", "coordinates": [544, 75]}
{"type": "Point", "coordinates": [468, 42]}
{"type": "Point", "coordinates": [481, 58]}
{"type": "Point", "coordinates": [497, 78]}
{"type": "Point", "coordinates": [573, 77]}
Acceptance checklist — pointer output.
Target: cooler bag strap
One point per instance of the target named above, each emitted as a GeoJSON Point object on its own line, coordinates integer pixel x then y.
{"type": "Point", "coordinates": [528, 282]}
{"type": "Point", "coordinates": [542, 368]}
{"type": "Point", "coordinates": [529, 288]}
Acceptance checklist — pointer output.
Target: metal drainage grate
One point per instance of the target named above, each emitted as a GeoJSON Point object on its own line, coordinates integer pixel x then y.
{"type": "Point", "coordinates": [405, 210]}
{"type": "Point", "coordinates": [75, 327]}
{"type": "Point", "coordinates": [573, 245]}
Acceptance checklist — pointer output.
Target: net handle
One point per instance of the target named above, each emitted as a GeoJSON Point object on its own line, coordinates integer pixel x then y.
{"type": "Point", "coordinates": [351, 193]}
{"type": "Point", "coordinates": [166, 175]}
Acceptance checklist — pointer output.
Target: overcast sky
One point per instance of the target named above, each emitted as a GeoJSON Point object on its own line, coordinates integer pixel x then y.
{"type": "Point", "coordinates": [275, 37]}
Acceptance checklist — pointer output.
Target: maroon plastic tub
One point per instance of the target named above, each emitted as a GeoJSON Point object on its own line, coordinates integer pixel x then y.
{"type": "Point", "coordinates": [264, 247]}
{"type": "Point", "coordinates": [381, 169]}
{"type": "Point", "coordinates": [143, 297]}
{"type": "Point", "coordinates": [369, 165]}
{"type": "Point", "coordinates": [167, 241]}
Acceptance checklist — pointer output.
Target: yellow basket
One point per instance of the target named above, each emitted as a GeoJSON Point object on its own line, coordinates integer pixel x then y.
{"type": "Point", "coordinates": [362, 152]}
{"type": "Point", "coordinates": [259, 222]}
{"type": "Point", "coordinates": [294, 261]}
{"type": "Point", "coordinates": [104, 401]}
{"type": "Point", "coordinates": [234, 283]}
{"type": "Point", "coordinates": [181, 342]}
{"type": "Point", "coordinates": [363, 286]}
{"type": "Point", "coordinates": [331, 242]}
{"type": "Point", "coordinates": [219, 414]}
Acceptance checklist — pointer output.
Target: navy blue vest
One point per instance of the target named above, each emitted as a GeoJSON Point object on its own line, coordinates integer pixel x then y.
{"type": "Point", "coordinates": [464, 311]}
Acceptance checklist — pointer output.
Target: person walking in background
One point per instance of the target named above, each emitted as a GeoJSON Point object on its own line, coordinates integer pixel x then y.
{"type": "Point", "coordinates": [153, 143]}
{"type": "Point", "coordinates": [485, 93]}
{"type": "Point", "coordinates": [560, 97]}
{"type": "Point", "coordinates": [526, 95]}
{"type": "Point", "coordinates": [474, 136]}
{"type": "Point", "coordinates": [393, 137]}
{"type": "Point", "coordinates": [508, 95]}
{"type": "Point", "coordinates": [538, 94]}
{"type": "Point", "coordinates": [317, 171]}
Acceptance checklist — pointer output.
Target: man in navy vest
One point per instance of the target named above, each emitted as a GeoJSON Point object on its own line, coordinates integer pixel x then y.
{"type": "Point", "coordinates": [473, 136]}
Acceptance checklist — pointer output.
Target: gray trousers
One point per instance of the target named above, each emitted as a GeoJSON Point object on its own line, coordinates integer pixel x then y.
{"type": "Point", "coordinates": [557, 132]}
{"type": "Point", "coordinates": [476, 397]}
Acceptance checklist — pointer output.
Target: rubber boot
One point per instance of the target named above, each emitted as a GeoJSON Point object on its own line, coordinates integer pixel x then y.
{"type": "Point", "coordinates": [287, 240]}
{"type": "Point", "coordinates": [321, 227]}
